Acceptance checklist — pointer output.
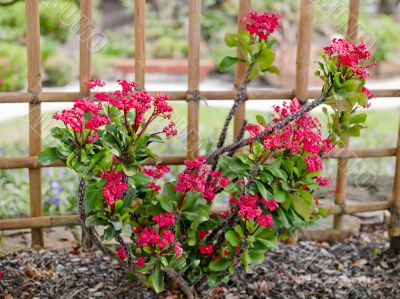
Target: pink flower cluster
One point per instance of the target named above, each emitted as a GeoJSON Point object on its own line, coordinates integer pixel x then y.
{"type": "Point", "coordinates": [74, 119]}
{"type": "Point", "coordinates": [115, 187]}
{"type": "Point", "coordinates": [156, 172]}
{"type": "Point", "coordinates": [121, 253]}
{"type": "Point", "coordinates": [323, 182]}
{"type": "Point", "coordinates": [350, 55]}
{"type": "Point", "coordinates": [164, 220]}
{"type": "Point", "coordinates": [261, 25]}
{"type": "Point", "coordinates": [206, 249]}
{"type": "Point", "coordinates": [128, 99]}
{"type": "Point", "coordinates": [249, 209]}
{"type": "Point", "coordinates": [302, 135]}
{"type": "Point", "coordinates": [370, 95]}
{"type": "Point", "coordinates": [198, 177]}
{"type": "Point", "coordinates": [314, 163]}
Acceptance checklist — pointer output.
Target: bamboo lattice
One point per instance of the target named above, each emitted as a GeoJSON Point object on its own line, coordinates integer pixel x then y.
{"type": "Point", "coordinates": [34, 96]}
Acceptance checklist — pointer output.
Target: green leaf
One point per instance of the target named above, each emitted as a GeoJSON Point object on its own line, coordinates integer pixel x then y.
{"type": "Point", "coordinates": [117, 223]}
{"type": "Point", "coordinates": [307, 196]}
{"type": "Point", "coordinates": [302, 208]}
{"type": "Point", "coordinates": [232, 237]}
{"type": "Point", "coordinates": [227, 62]}
{"type": "Point", "coordinates": [263, 191]}
{"type": "Point", "coordinates": [127, 230]}
{"type": "Point", "coordinates": [231, 40]}
{"type": "Point", "coordinates": [279, 195]}
{"type": "Point", "coordinates": [266, 58]}
{"type": "Point", "coordinates": [48, 155]}
{"type": "Point", "coordinates": [260, 119]}
{"type": "Point", "coordinates": [359, 118]}
{"type": "Point", "coordinates": [239, 230]}
{"type": "Point", "coordinates": [157, 278]}
{"type": "Point", "coordinates": [167, 197]}
{"type": "Point", "coordinates": [273, 70]}
{"type": "Point", "coordinates": [219, 265]}
{"type": "Point", "coordinates": [277, 172]}
{"type": "Point", "coordinates": [255, 71]}
{"type": "Point", "coordinates": [351, 85]}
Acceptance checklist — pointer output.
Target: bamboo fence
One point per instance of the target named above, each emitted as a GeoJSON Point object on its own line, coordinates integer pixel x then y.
{"type": "Point", "coordinates": [34, 96]}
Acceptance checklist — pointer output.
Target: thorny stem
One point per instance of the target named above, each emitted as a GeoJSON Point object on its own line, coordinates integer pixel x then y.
{"type": "Point", "coordinates": [278, 125]}
{"type": "Point", "coordinates": [182, 283]}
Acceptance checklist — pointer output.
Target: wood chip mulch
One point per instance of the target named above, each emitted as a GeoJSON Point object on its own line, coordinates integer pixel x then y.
{"type": "Point", "coordinates": [360, 267]}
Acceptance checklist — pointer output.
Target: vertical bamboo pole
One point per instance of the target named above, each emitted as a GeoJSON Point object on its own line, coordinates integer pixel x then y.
{"type": "Point", "coordinates": [85, 70]}
{"type": "Point", "coordinates": [34, 87]}
{"type": "Point", "coordinates": [341, 176]}
{"type": "Point", "coordinates": [85, 45]}
{"type": "Point", "coordinates": [140, 43]}
{"type": "Point", "coordinates": [304, 48]}
{"type": "Point", "coordinates": [394, 227]}
{"type": "Point", "coordinates": [193, 78]}
{"type": "Point", "coordinates": [244, 8]}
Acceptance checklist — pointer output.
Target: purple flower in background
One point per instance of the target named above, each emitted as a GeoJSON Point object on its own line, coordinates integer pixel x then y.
{"type": "Point", "coordinates": [56, 186]}
{"type": "Point", "coordinates": [55, 201]}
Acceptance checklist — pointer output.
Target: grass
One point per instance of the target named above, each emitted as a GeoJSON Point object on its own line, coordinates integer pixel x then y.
{"type": "Point", "coordinates": [59, 183]}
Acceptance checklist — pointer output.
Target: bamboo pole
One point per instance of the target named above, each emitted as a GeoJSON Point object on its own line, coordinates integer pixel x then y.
{"type": "Point", "coordinates": [34, 86]}
{"type": "Point", "coordinates": [394, 227]}
{"type": "Point", "coordinates": [140, 43]}
{"type": "Point", "coordinates": [85, 46]}
{"type": "Point", "coordinates": [193, 78]}
{"type": "Point", "coordinates": [210, 95]}
{"type": "Point", "coordinates": [69, 220]}
{"type": "Point", "coordinates": [244, 8]}
{"type": "Point", "coordinates": [304, 48]}
{"type": "Point", "coordinates": [33, 162]}
{"type": "Point", "coordinates": [341, 176]}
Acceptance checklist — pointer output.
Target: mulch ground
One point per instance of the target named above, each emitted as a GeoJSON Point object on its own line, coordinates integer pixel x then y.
{"type": "Point", "coordinates": [360, 267]}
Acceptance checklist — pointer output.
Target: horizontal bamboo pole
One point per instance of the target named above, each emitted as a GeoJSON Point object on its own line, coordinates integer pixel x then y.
{"type": "Point", "coordinates": [32, 162]}
{"type": "Point", "coordinates": [39, 222]}
{"type": "Point", "coordinates": [253, 94]}
{"type": "Point", "coordinates": [68, 220]}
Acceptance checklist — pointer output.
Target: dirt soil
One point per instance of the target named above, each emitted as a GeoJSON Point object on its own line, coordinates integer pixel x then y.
{"type": "Point", "coordinates": [358, 267]}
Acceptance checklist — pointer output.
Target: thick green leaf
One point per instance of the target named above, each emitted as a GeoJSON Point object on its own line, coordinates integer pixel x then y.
{"type": "Point", "coordinates": [351, 85]}
{"type": "Point", "coordinates": [279, 195]}
{"type": "Point", "coordinates": [157, 278]}
{"type": "Point", "coordinates": [232, 237]}
{"type": "Point", "coordinates": [228, 62]}
{"type": "Point", "coordinates": [266, 58]}
{"type": "Point", "coordinates": [263, 191]}
{"type": "Point", "coordinates": [303, 208]}
{"type": "Point", "coordinates": [219, 265]}
{"type": "Point", "coordinates": [48, 156]}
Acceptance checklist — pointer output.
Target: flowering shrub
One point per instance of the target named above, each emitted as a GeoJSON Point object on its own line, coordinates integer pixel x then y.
{"type": "Point", "coordinates": [167, 227]}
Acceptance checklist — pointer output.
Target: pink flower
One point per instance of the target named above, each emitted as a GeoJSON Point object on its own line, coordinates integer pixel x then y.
{"type": "Point", "coordinates": [196, 176]}
{"type": "Point", "coordinates": [154, 186]}
{"type": "Point", "coordinates": [265, 220]}
{"type": "Point", "coordinates": [272, 204]}
{"type": "Point", "coordinates": [157, 171]}
{"type": "Point", "coordinates": [323, 181]}
{"type": "Point", "coordinates": [170, 130]}
{"type": "Point", "coordinates": [253, 129]}
{"type": "Point", "coordinates": [95, 83]}
{"type": "Point", "coordinates": [115, 187]}
{"type": "Point", "coordinates": [202, 234]}
{"type": "Point", "coordinates": [370, 95]}
{"type": "Point", "coordinates": [178, 249]}
{"type": "Point", "coordinates": [314, 163]}
{"type": "Point", "coordinates": [140, 262]}
{"type": "Point", "coordinates": [121, 253]}
{"type": "Point", "coordinates": [206, 249]}
{"type": "Point", "coordinates": [164, 220]}
{"type": "Point", "coordinates": [248, 207]}
{"type": "Point", "coordinates": [261, 25]}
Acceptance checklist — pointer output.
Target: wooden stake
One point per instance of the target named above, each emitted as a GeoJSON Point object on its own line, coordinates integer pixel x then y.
{"type": "Point", "coordinates": [140, 43]}
{"type": "Point", "coordinates": [394, 227]}
{"type": "Point", "coordinates": [341, 176]}
{"type": "Point", "coordinates": [193, 78]}
{"type": "Point", "coordinates": [85, 47]}
{"type": "Point", "coordinates": [34, 87]}
{"type": "Point", "coordinates": [244, 8]}
{"type": "Point", "coordinates": [304, 49]}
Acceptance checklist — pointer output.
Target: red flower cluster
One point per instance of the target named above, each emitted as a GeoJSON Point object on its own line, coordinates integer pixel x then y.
{"type": "Point", "coordinates": [115, 187]}
{"type": "Point", "coordinates": [350, 55]}
{"type": "Point", "coordinates": [314, 163]}
{"type": "Point", "coordinates": [157, 171]}
{"type": "Point", "coordinates": [95, 83]}
{"type": "Point", "coordinates": [163, 220]}
{"type": "Point", "coordinates": [140, 262]}
{"type": "Point", "coordinates": [261, 25]}
{"type": "Point", "coordinates": [74, 119]}
{"type": "Point", "coordinates": [323, 182]}
{"type": "Point", "coordinates": [370, 95]}
{"type": "Point", "coordinates": [302, 135]}
{"type": "Point", "coordinates": [206, 249]}
{"type": "Point", "coordinates": [121, 253]}
{"type": "Point", "coordinates": [198, 177]}
{"type": "Point", "coordinates": [249, 209]}
{"type": "Point", "coordinates": [140, 101]}
{"type": "Point", "coordinates": [202, 234]}
{"type": "Point", "coordinates": [178, 249]}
